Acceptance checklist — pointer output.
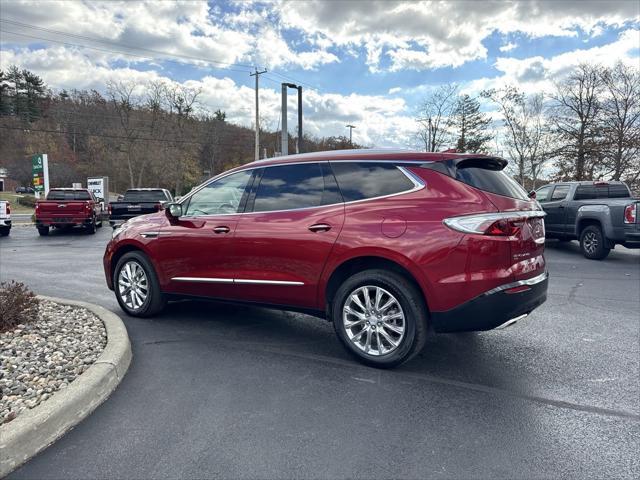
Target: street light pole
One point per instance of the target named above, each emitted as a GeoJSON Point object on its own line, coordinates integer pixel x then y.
{"type": "Point", "coordinates": [350, 127]}
{"type": "Point", "coordinates": [285, 134]}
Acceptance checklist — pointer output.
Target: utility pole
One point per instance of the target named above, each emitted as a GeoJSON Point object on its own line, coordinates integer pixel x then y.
{"type": "Point", "coordinates": [350, 127]}
{"type": "Point", "coordinates": [257, 150]}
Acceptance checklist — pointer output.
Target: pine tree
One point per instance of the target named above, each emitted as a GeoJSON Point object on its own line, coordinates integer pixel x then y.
{"type": "Point", "coordinates": [470, 126]}
{"type": "Point", "coordinates": [5, 96]}
{"type": "Point", "coordinates": [34, 91]}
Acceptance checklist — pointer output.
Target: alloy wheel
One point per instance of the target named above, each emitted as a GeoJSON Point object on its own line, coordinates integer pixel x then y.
{"type": "Point", "coordinates": [133, 286]}
{"type": "Point", "coordinates": [590, 242]}
{"type": "Point", "coordinates": [373, 320]}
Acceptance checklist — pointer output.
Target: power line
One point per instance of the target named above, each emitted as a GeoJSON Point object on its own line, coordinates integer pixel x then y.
{"type": "Point", "coordinates": [131, 47]}
{"type": "Point", "coordinates": [146, 57]}
{"type": "Point", "coordinates": [116, 44]}
{"type": "Point", "coordinates": [122, 137]}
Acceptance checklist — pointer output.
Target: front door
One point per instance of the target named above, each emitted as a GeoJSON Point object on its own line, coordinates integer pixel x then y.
{"type": "Point", "coordinates": [293, 218]}
{"type": "Point", "coordinates": [197, 248]}
{"type": "Point", "coordinates": [556, 210]}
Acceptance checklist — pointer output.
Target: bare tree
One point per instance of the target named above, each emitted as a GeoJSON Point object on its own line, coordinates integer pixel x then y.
{"type": "Point", "coordinates": [125, 104]}
{"type": "Point", "coordinates": [576, 112]}
{"type": "Point", "coordinates": [527, 136]}
{"type": "Point", "coordinates": [435, 116]}
{"type": "Point", "coordinates": [621, 122]}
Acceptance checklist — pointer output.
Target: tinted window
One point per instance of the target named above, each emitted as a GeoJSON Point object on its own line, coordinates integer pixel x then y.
{"type": "Point", "coordinates": [145, 196]}
{"type": "Point", "coordinates": [360, 180]}
{"type": "Point", "coordinates": [287, 187]}
{"type": "Point", "coordinates": [488, 176]}
{"type": "Point", "coordinates": [590, 192]}
{"type": "Point", "coordinates": [68, 195]}
{"type": "Point", "coordinates": [560, 192]}
{"type": "Point", "coordinates": [220, 196]}
{"type": "Point", "coordinates": [542, 194]}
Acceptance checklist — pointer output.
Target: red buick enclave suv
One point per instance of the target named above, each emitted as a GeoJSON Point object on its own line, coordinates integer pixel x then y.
{"type": "Point", "coordinates": [387, 245]}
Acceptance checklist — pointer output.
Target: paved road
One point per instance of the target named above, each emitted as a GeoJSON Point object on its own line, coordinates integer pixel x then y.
{"type": "Point", "coordinates": [224, 391]}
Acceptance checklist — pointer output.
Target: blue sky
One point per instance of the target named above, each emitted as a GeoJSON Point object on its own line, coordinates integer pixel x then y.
{"type": "Point", "coordinates": [366, 63]}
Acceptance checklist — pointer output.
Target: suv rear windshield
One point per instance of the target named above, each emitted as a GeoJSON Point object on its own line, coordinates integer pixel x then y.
{"type": "Point", "coordinates": [591, 192]}
{"type": "Point", "coordinates": [68, 195]}
{"type": "Point", "coordinates": [486, 174]}
{"type": "Point", "coordinates": [144, 196]}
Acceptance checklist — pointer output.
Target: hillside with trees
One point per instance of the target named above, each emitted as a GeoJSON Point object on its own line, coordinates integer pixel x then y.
{"type": "Point", "coordinates": [156, 134]}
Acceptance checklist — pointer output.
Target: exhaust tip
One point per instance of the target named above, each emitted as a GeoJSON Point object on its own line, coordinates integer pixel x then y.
{"type": "Point", "coordinates": [508, 323]}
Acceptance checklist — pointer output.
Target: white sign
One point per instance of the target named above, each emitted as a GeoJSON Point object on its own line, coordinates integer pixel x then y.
{"type": "Point", "coordinates": [99, 186]}
{"type": "Point", "coordinates": [76, 185]}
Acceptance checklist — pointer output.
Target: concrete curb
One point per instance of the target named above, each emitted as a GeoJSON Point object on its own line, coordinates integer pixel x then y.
{"type": "Point", "coordinates": [36, 429]}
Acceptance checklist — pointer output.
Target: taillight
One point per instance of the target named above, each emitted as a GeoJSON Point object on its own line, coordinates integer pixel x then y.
{"type": "Point", "coordinates": [503, 224]}
{"type": "Point", "coordinates": [109, 209]}
{"type": "Point", "coordinates": [630, 213]}
{"type": "Point", "coordinates": [8, 208]}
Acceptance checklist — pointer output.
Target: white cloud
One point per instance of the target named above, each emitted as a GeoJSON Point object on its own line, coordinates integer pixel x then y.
{"type": "Point", "coordinates": [508, 47]}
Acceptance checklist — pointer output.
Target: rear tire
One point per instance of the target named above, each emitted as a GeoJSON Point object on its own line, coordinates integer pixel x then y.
{"type": "Point", "coordinates": [4, 231]}
{"type": "Point", "coordinates": [592, 243]}
{"type": "Point", "coordinates": [91, 228]}
{"type": "Point", "coordinates": [43, 231]}
{"type": "Point", "coordinates": [365, 333]}
{"type": "Point", "coordinates": [147, 299]}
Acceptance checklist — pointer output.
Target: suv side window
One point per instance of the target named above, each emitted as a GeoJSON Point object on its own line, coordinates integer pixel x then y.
{"type": "Point", "coordinates": [288, 187]}
{"type": "Point", "coordinates": [219, 196]}
{"type": "Point", "coordinates": [560, 192]}
{"type": "Point", "coordinates": [542, 194]}
{"type": "Point", "coordinates": [361, 180]}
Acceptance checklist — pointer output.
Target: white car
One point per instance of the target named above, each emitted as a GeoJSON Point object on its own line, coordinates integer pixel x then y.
{"type": "Point", "coordinates": [5, 218]}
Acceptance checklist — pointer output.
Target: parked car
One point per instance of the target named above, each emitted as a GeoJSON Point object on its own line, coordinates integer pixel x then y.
{"type": "Point", "coordinates": [25, 190]}
{"type": "Point", "coordinates": [5, 218]}
{"type": "Point", "coordinates": [138, 201]}
{"type": "Point", "coordinates": [66, 208]}
{"type": "Point", "coordinates": [389, 246]}
{"type": "Point", "coordinates": [600, 215]}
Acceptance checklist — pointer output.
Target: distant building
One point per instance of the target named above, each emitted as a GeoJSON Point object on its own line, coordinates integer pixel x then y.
{"type": "Point", "coordinates": [6, 184]}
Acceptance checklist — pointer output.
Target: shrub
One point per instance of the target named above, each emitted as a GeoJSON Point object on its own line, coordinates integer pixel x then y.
{"type": "Point", "coordinates": [18, 304]}
{"type": "Point", "coordinates": [27, 200]}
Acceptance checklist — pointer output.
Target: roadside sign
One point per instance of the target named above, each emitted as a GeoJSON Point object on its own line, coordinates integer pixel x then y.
{"type": "Point", "coordinates": [99, 186]}
{"type": "Point", "coordinates": [76, 185]}
{"type": "Point", "coordinates": [40, 171]}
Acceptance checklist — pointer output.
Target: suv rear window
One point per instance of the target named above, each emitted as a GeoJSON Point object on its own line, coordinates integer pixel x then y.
{"type": "Point", "coordinates": [361, 180]}
{"type": "Point", "coordinates": [145, 196]}
{"type": "Point", "coordinates": [68, 195]}
{"type": "Point", "coordinates": [487, 175]}
{"type": "Point", "coordinates": [591, 192]}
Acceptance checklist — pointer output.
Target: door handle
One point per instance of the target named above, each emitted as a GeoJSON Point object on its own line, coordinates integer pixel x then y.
{"type": "Point", "coordinates": [320, 227]}
{"type": "Point", "coordinates": [560, 206]}
{"type": "Point", "coordinates": [221, 229]}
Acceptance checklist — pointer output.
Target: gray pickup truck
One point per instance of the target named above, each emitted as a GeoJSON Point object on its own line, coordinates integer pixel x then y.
{"type": "Point", "coordinates": [600, 215]}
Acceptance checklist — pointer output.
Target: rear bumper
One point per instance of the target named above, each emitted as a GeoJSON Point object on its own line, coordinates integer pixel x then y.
{"type": "Point", "coordinates": [53, 222]}
{"type": "Point", "coordinates": [5, 222]}
{"type": "Point", "coordinates": [632, 239]}
{"type": "Point", "coordinates": [493, 308]}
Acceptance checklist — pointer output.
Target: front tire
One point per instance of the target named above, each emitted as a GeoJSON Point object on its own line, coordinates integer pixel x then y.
{"type": "Point", "coordinates": [380, 317]}
{"type": "Point", "coordinates": [136, 286]}
{"type": "Point", "coordinates": [592, 243]}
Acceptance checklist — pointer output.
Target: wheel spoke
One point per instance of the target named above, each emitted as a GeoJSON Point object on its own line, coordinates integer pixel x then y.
{"type": "Point", "coordinates": [394, 328]}
{"type": "Point", "coordinates": [380, 346]}
{"type": "Point", "coordinates": [387, 304]}
{"type": "Point", "coordinates": [376, 304]}
{"type": "Point", "coordinates": [357, 301]}
{"type": "Point", "coordinates": [367, 298]}
{"type": "Point", "coordinates": [358, 335]}
{"type": "Point", "coordinates": [367, 344]}
{"type": "Point", "coordinates": [350, 311]}
{"type": "Point", "coordinates": [386, 336]}
{"type": "Point", "coordinates": [393, 316]}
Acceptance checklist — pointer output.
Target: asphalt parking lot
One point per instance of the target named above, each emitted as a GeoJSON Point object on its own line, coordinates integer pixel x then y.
{"type": "Point", "coordinates": [223, 391]}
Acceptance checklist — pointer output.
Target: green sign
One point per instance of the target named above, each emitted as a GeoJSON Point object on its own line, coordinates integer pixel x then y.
{"type": "Point", "coordinates": [37, 168]}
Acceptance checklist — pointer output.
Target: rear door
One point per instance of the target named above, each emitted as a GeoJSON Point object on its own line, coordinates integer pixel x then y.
{"type": "Point", "coordinates": [293, 218]}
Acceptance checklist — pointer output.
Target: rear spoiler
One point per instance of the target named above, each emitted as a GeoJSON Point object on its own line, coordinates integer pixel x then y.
{"type": "Point", "coordinates": [449, 167]}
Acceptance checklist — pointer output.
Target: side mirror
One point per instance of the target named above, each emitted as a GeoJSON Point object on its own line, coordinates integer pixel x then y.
{"type": "Point", "coordinates": [174, 210]}
{"type": "Point", "coordinates": [532, 194]}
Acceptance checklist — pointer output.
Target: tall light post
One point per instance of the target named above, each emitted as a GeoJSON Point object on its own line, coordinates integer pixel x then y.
{"type": "Point", "coordinates": [257, 150]}
{"type": "Point", "coordinates": [350, 127]}
{"type": "Point", "coordinates": [284, 134]}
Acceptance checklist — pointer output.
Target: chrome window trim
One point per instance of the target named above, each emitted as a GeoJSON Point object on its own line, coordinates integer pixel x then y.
{"type": "Point", "coordinates": [239, 281]}
{"type": "Point", "coordinates": [528, 282]}
{"type": "Point", "coordinates": [418, 184]}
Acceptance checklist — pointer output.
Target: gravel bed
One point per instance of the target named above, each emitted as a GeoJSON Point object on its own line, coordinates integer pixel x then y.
{"type": "Point", "coordinates": [44, 356]}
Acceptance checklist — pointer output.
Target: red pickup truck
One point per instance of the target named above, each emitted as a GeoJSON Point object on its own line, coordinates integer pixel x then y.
{"type": "Point", "coordinates": [66, 208]}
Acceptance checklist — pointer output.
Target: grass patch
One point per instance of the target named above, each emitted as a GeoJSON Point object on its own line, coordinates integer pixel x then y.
{"type": "Point", "coordinates": [14, 199]}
